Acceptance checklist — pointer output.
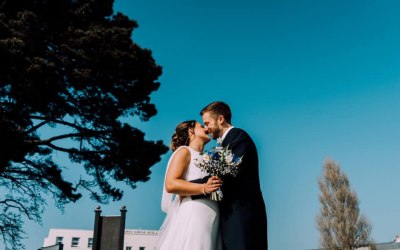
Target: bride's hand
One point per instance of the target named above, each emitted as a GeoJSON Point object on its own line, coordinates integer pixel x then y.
{"type": "Point", "coordinates": [213, 184]}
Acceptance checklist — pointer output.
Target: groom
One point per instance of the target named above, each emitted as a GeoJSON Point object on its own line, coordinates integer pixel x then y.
{"type": "Point", "coordinates": [242, 209]}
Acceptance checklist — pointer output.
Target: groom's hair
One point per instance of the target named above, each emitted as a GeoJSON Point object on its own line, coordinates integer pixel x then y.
{"type": "Point", "coordinates": [218, 108]}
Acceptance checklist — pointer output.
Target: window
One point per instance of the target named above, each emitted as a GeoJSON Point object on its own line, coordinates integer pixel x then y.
{"type": "Point", "coordinates": [128, 248]}
{"type": "Point", "coordinates": [90, 242]}
{"type": "Point", "coordinates": [75, 241]}
{"type": "Point", "coordinates": [141, 248]}
{"type": "Point", "coordinates": [59, 240]}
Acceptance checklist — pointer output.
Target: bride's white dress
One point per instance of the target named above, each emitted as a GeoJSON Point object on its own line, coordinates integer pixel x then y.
{"type": "Point", "coordinates": [189, 224]}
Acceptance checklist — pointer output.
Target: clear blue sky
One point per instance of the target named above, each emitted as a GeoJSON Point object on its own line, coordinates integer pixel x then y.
{"type": "Point", "coordinates": [307, 79]}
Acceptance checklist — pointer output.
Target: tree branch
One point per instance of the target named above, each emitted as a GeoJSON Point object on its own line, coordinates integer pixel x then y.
{"type": "Point", "coordinates": [4, 3]}
{"type": "Point", "coordinates": [66, 150]}
{"type": "Point", "coordinates": [48, 119]}
{"type": "Point", "coordinates": [76, 151]}
{"type": "Point", "coordinates": [59, 137]}
{"type": "Point", "coordinates": [36, 127]}
{"type": "Point", "coordinates": [18, 205]}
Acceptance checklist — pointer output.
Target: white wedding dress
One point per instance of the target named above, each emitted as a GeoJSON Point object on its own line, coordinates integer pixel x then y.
{"type": "Point", "coordinates": [189, 224]}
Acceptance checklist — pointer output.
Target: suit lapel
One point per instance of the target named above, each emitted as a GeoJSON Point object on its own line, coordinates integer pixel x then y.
{"type": "Point", "coordinates": [229, 137]}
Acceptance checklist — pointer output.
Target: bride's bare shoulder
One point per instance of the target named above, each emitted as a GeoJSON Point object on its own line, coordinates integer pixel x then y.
{"type": "Point", "coordinates": [182, 153]}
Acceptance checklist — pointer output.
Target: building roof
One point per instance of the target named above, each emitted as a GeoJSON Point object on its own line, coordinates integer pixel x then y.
{"type": "Point", "coordinates": [388, 246]}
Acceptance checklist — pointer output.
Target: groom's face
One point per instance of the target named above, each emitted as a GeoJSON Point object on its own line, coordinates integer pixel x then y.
{"type": "Point", "coordinates": [210, 121]}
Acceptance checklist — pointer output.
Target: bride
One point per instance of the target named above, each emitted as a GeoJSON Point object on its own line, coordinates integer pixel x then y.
{"type": "Point", "coordinates": [189, 224]}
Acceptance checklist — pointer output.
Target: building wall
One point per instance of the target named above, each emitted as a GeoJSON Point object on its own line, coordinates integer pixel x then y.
{"type": "Point", "coordinates": [68, 234]}
{"type": "Point", "coordinates": [136, 239]}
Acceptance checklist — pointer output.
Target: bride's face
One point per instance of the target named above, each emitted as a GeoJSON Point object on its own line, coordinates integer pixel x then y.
{"type": "Point", "coordinates": [201, 132]}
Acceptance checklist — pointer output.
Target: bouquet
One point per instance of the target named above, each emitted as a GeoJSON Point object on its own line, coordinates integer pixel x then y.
{"type": "Point", "coordinates": [218, 161]}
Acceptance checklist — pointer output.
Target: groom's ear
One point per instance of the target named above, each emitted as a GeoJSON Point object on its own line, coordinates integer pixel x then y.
{"type": "Point", "coordinates": [220, 119]}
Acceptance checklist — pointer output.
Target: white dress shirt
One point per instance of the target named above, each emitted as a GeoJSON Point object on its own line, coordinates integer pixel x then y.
{"type": "Point", "coordinates": [226, 132]}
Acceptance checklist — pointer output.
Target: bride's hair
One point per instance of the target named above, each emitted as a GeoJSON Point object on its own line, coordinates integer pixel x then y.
{"type": "Point", "coordinates": [181, 135]}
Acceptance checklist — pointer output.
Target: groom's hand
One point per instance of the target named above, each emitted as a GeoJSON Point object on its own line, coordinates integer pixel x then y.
{"type": "Point", "coordinates": [200, 181]}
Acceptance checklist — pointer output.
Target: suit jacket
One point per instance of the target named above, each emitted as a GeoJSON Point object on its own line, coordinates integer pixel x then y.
{"type": "Point", "coordinates": [242, 209]}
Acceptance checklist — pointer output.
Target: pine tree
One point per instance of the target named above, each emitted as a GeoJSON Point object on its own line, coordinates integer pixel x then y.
{"type": "Point", "coordinates": [339, 222]}
{"type": "Point", "coordinates": [70, 66]}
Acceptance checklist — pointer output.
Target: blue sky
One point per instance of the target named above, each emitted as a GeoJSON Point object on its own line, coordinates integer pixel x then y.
{"type": "Point", "coordinates": [308, 80]}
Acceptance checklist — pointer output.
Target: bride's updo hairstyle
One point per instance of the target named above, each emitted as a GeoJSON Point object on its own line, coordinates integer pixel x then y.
{"type": "Point", "coordinates": [181, 135]}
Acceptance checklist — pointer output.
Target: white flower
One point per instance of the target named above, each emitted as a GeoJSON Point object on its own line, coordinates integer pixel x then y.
{"type": "Point", "coordinates": [206, 158]}
{"type": "Point", "coordinates": [219, 140]}
{"type": "Point", "coordinates": [219, 149]}
{"type": "Point", "coordinates": [199, 161]}
{"type": "Point", "coordinates": [228, 158]}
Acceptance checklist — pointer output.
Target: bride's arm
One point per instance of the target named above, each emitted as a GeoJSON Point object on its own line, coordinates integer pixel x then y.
{"type": "Point", "coordinates": [174, 182]}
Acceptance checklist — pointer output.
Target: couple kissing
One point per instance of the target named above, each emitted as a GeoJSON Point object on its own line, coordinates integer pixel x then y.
{"type": "Point", "coordinates": [236, 221]}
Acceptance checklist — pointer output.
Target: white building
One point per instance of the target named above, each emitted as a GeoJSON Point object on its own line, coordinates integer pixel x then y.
{"type": "Point", "coordinates": [75, 239]}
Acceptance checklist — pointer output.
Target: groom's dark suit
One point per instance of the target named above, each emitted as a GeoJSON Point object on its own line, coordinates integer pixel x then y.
{"type": "Point", "coordinates": [242, 209]}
